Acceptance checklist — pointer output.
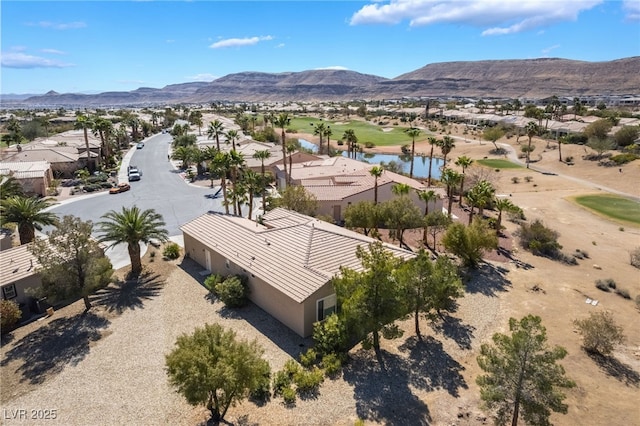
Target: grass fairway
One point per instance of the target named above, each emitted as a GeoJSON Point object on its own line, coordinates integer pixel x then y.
{"type": "Point", "coordinates": [612, 206]}
{"type": "Point", "coordinates": [365, 132]}
{"type": "Point", "coordinates": [499, 164]}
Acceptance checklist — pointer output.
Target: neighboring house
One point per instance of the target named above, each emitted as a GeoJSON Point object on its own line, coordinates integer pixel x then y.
{"type": "Point", "coordinates": [18, 274]}
{"type": "Point", "coordinates": [33, 176]}
{"type": "Point", "coordinates": [289, 260]}
{"type": "Point", "coordinates": [321, 168]}
{"type": "Point", "coordinates": [336, 193]}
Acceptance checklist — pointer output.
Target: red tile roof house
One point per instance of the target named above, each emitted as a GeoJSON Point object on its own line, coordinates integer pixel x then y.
{"type": "Point", "coordinates": [289, 260]}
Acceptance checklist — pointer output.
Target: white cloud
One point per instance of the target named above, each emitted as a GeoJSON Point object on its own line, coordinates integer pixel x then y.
{"type": "Point", "coordinates": [202, 77]}
{"type": "Point", "coordinates": [53, 51]}
{"type": "Point", "coordinates": [58, 25]}
{"type": "Point", "coordinates": [548, 50]}
{"type": "Point", "coordinates": [334, 67]}
{"type": "Point", "coordinates": [497, 16]}
{"type": "Point", "coordinates": [280, 46]}
{"type": "Point", "coordinates": [22, 60]}
{"type": "Point", "coordinates": [235, 42]}
{"type": "Point", "coordinates": [632, 9]}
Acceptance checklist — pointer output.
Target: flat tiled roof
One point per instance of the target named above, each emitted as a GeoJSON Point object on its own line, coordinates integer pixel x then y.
{"type": "Point", "coordinates": [16, 263]}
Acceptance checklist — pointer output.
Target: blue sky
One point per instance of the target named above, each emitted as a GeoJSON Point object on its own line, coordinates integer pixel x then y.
{"type": "Point", "coordinates": [91, 46]}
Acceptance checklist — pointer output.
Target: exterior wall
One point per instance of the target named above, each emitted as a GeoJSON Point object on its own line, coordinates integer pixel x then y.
{"type": "Point", "coordinates": [310, 307]}
{"type": "Point", "coordinates": [274, 302]}
{"type": "Point", "coordinates": [23, 297]}
{"type": "Point", "coordinates": [384, 194]}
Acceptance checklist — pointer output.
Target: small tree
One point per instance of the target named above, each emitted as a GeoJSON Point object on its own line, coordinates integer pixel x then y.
{"type": "Point", "coordinates": [212, 368]}
{"type": "Point", "coordinates": [400, 214]}
{"type": "Point", "coordinates": [492, 134]}
{"type": "Point", "coordinates": [362, 215]}
{"type": "Point", "coordinates": [600, 333]}
{"type": "Point", "coordinates": [233, 291]}
{"type": "Point", "coordinates": [330, 335]}
{"type": "Point", "coordinates": [10, 314]}
{"type": "Point", "coordinates": [634, 257]}
{"type": "Point", "coordinates": [436, 222]}
{"type": "Point", "coordinates": [539, 239]}
{"type": "Point", "coordinates": [600, 145]}
{"type": "Point", "coordinates": [298, 199]}
{"type": "Point", "coordinates": [470, 242]}
{"type": "Point", "coordinates": [72, 262]}
{"type": "Point", "coordinates": [522, 374]}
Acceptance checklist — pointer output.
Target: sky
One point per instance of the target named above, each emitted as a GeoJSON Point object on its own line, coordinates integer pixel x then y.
{"type": "Point", "coordinates": [96, 46]}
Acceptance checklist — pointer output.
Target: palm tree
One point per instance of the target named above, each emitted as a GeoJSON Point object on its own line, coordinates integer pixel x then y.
{"type": "Point", "coordinates": [561, 140]}
{"type": "Point", "coordinates": [318, 129]}
{"type": "Point", "coordinates": [220, 165]}
{"type": "Point", "coordinates": [253, 184]}
{"type": "Point", "coordinates": [9, 187]}
{"type": "Point", "coordinates": [283, 121]}
{"type": "Point", "coordinates": [132, 226]}
{"type": "Point", "coordinates": [531, 129]}
{"type": "Point", "coordinates": [427, 197]}
{"type": "Point", "coordinates": [236, 161]}
{"type": "Point", "coordinates": [28, 214]}
{"type": "Point", "coordinates": [502, 204]}
{"type": "Point", "coordinates": [433, 142]}
{"type": "Point", "coordinates": [85, 123]}
{"type": "Point", "coordinates": [328, 132]}
{"type": "Point", "coordinates": [463, 162]}
{"type": "Point", "coordinates": [216, 128]}
{"type": "Point", "coordinates": [183, 154]}
{"type": "Point", "coordinates": [103, 128]}
{"type": "Point", "coordinates": [401, 189]}
{"type": "Point", "coordinates": [446, 145]}
{"type": "Point", "coordinates": [413, 132]}
{"type": "Point", "coordinates": [480, 195]}
{"type": "Point", "coordinates": [291, 148]}
{"type": "Point", "coordinates": [262, 155]}
{"type": "Point", "coordinates": [351, 139]}
{"type": "Point", "coordinates": [450, 178]}
{"type": "Point", "coordinates": [233, 136]}
{"type": "Point", "coordinates": [376, 172]}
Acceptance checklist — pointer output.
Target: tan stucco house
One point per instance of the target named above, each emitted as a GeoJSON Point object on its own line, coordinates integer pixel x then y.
{"type": "Point", "coordinates": [17, 275]}
{"type": "Point", "coordinates": [33, 176]}
{"type": "Point", "coordinates": [289, 260]}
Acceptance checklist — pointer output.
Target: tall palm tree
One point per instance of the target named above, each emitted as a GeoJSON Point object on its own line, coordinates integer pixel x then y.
{"type": "Point", "coordinates": [433, 142]}
{"type": "Point", "coordinates": [220, 165]}
{"type": "Point", "coordinates": [236, 161]}
{"type": "Point", "coordinates": [103, 128]}
{"type": "Point", "coordinates": [446, 145]}
{"type": "Point", "coordinates": [480, 195]}
{"type": "Point", "coordinates": [414, 132]}
{"type": "Point", "coordinates": [28, 214]}
{"type": "Point", "coordinates": [232, 135]}
{"type": "Point", "coordinates": [351, 139]}
{"type": "Point", "coordinates": [132, 226]}
{"type": "Point", "coordinates": [253, 184]}
{"type": "Point", "coordinates": [328, 132]}
{"type": "Point", "coordinates": [9, 187]}
{"type": "Point", "coordinates": [85, 123]}
{"type": "Point", "coordinates": [318, 130]}
{"type": "Point", "coordinates": [291, 148]}
{"type": "Point", "coordinates": [450, 178]}
{"type": "Point", "coordinates": [283, 121]}
{"type": "Point", "coordinates": [262, 155]}
{"type": "Point", "coordinates": [464, 162]}
{"type": "Point", "coordinates": [561, 140]}
{"type": "Point", "coordinates": [216, 128]}
{"type": "Point", "coordinates": [531, 129]}
{"type": "Point", "coordinates": [427, 197]}
{"type": "Point", "coordinates": [502, 204]}
{"type": "Point", "coordinates": [376, 172]}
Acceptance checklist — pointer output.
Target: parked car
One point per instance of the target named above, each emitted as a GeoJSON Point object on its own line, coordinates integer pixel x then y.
{"type": "Point", "coordinates": [134, 176]}
{"type": "Point", "coordinates": [140, 145]}
{"type": "Point", "coordinates": [121, 187]}
{"type": "Point", "coordinates": [132, 169]}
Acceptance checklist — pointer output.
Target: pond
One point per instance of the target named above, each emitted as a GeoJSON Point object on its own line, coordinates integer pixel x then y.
{"type": "Point", "coordinates": [420, 163]}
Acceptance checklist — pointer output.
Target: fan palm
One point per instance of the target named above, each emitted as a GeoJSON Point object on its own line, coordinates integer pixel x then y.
{"type": "Point", "coordinates": [262, 155]}
{"type": "Point", "coordinates": [319, 129]}
{"type": "Point", "coordinates": [236, 161]}
{"type": "Point", "coordinates": [351, 139]}
{"type": "Point", "coordinates": [433, 142]}
{"type": "Point", "coordinates": [28, 214]}
{"type": "Point", "coordinates": [9, 187]}
{"type": "Point", "coordinates": [233, 136]}
{"type": "Point", "coordinates": [283, 121]}
{"type": "Point", "coordinates": [414, 133]}
{"type": "Point", "coordinates": [220, 165]}
{"type": "Point", "coordinates": [427, 197]}
{"type": "Point", "coordinates": [85, 123]}
{"type": "Point", "coordinates": [531, 129]}
{"type": "Point", "coordinates": [216, 128]}
{"type": "Point", "coordinates": [132, 226]}
{"type": "Point", "coordinates": [450, 178]}
{"type": "Point", "coordinates": [463, 162]}
{"type": "Point", "coordinates": [376, 172]}
{"type": "Point", "coordinates": [446, 146]}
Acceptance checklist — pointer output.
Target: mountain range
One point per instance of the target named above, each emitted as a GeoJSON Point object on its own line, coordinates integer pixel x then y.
{"type": "Point", "coordinates": [524, 78]}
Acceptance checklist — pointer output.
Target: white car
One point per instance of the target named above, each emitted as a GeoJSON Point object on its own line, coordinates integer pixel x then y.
{"type": "Point", "coordinates": [134, 176]}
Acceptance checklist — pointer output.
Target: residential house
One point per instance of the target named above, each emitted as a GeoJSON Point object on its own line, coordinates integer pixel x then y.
{"type": "Point", "coordinates": [33, 176]}
{"type": "Point", "coordinates": [18, 276]}
{"type": "Point", "coordinates": [289, 260]}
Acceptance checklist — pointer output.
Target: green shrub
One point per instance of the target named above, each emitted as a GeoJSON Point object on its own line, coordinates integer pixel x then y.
{"type": "Point", "coordinates": [10, 314]}
{"type": "Point", "coordinates": [308, 359]}
{"type": "Point", "coordinates": [281, 381]}
{"type": "Point", "coordinates": [233, 291]}
{"type": "Point", "coordinates": [308, 381]}
{"type": "Point", "coordinates": [369, 145]}
{"type": "Point", "coordinates": [171, 251]}
{"type": "Point", "coordinates": [289, 396]}
{"type": "Point", "coordinates": [211, 281]}
{"type": "Point", "coordinates": [624, 158]}
{"type": "Point", "coordinates": [539, 240]}
{"type": "Point", "coordinates": [331, 364]}
{"type": "Point", "coordinates": [515, 179]}
{"type": "Point", "coordinates": [604, 285]}
{"type": "Point", "coordinates": [600, 333]}
{"type": "Point", "coordinates": [330, 336]}
{"type": "Point", "coordinates": [263, 388]}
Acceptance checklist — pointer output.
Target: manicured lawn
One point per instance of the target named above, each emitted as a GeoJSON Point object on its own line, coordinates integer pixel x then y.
{"type": "Point", "coordinates": [612, 206]}
{"type": "Point", "coordinates": [499, 164]}
{"type": "Point", "coordinates": [366, 132]}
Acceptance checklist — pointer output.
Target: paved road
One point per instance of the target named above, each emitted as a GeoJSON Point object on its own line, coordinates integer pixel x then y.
{"type": "Point", "coordinates": [161, 188]}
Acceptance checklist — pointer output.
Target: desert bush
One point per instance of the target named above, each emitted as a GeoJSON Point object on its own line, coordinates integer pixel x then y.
{"type": "Point", "coordinates": [634, 257]}
{"type": "Point", "coordinates": [528, 179]}
{"type": "Point", "coordinates": [600, 332]}
{"type": "Point", "coordinates": [623, 293]}
{"type": "Point", "coordinates": [568, 159]}
{"type": "Point", "coordinates": [624, 158]}
{"type": "Point", "coordinates": [211, 281]}
{"type": "Point", "coordinates": [171, 251]}
{"type": "Point", "coordinates": [233, 291]}
{"type": "Point", "coordinates": [308, 359]}
{"type": "Point", "coordinates": [539, 239]}
{"type": "Point", "coordinates": [281, 381]}
{"type": "Point", "coordinates": [638, 302]}
{"type": "Point", "coordinates": [289, 396]}
{"type": "Point", "coordinates": [601, 285]}
{"type": "Point", "coordinates": [10, 314]}
{"type": "Point", "coordinates": [332, 364]}
{"type": "Point", "coordinates": [369, 145]}
{"type": "Point", "coordinates": [515, 179]}
{"type": "Point", "coordinates": [262, 391]}
{"type": "Point", "coordinates": [308, 381]}
{"type": "Point", "coordinates": [581, 254]}
{"type": "Point", "coordinates": [330, 336]}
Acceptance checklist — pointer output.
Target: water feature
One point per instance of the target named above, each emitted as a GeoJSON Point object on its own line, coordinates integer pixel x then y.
{"type": "Point", "coordinates": [420, 163]}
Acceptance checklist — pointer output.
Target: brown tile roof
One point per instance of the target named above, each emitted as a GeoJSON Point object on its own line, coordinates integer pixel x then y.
{"type": "Point", "coordinates": [296, 254]}
{"type": "Point", "coordinates": [16, 263]}
{"type": "Point", "coordinates": [25, 169]}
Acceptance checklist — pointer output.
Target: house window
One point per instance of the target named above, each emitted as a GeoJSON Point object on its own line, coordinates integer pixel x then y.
{"type": "Point", "coordinates": [9, 291]}
{"type": "Point", "coordinates": [325, 307]}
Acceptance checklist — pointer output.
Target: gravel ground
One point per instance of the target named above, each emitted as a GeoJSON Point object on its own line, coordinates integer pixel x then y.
{"type": "Point", "coordinates": [118, 375]}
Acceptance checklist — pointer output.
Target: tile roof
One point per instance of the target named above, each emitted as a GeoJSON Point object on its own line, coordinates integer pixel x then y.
{"type": "Point", "coordinates": [332, 166]}
{"type": "Point", "coordinates": [25, 169]}
{"type": "Point", "coordinates": [296, 254]}
{"type": "Point", "coordinates": [16, 263]}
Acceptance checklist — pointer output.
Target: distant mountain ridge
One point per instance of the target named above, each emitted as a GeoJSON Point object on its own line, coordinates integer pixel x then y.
{"type": "Point", "coordinates": [521, 78]}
